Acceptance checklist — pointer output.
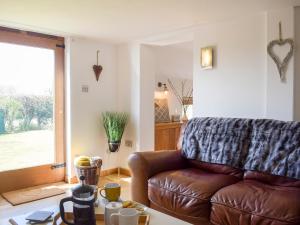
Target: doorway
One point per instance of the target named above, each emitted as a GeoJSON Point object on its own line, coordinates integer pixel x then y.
{"type": "Point", "coordinates": [173, 95]}
{"type": "Point", "coordinates": [31, 109]}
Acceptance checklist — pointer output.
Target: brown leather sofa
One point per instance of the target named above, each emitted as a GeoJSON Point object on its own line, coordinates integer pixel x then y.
{"type": "Point", "coordinates": [205, 193]}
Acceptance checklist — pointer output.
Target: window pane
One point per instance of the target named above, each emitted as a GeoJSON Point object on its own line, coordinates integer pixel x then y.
{"type": "Point", "coordinates": [26, 106]}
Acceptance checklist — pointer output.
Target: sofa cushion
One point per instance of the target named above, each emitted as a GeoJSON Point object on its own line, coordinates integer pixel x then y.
{"type": "Point", "coordinates": [271, 179]}
{"type": "Point", "coordinates": [252, 202]}
{"type": "Point", "coordinates": [216, 168]}
{"type": "Point", "coordinates": [187, 191]}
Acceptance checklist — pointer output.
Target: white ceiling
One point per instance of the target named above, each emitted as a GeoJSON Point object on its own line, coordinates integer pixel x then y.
{"type": "Point", "coordinates": [125, 20]}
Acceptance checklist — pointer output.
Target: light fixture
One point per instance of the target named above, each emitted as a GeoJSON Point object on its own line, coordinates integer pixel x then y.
{"type": "Point", "coordinates": [207, 58]}
{"type": "Point", "coordinates": [163, 86]}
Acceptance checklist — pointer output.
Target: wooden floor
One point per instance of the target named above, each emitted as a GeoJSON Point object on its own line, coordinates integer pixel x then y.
{"type": "Point", "coordinates": [7, 210]}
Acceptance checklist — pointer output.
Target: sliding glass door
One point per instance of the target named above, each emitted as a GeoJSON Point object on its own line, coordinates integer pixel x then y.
{"type": "Point", "coordinates": [31, 109]}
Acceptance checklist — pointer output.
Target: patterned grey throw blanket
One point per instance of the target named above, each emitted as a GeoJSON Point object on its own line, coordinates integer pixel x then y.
{"type": "Point", "coordinates": [263, 145]}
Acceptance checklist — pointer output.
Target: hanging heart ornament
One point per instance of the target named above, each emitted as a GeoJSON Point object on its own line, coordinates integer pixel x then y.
{"type": "Point", "coordinates": [281, 65]}
{"type": "Point", "coordinates": [97, 70]}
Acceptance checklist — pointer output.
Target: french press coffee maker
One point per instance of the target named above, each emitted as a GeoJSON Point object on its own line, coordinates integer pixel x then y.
{"type": "Point", "coordinates": [83, 199]}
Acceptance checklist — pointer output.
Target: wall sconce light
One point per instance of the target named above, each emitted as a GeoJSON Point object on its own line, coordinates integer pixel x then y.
{"type": "Point", "coordinates": [207, 58]}
{"type": "Point", "coordinates": [163, 86]}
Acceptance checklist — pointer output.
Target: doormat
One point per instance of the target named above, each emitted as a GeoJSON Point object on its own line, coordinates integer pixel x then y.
{"type": "Point", "coordinates": [33, 193]}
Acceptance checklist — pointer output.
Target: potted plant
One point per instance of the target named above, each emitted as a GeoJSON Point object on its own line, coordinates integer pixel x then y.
{"type": "Point", "coordinates": [114, 124]}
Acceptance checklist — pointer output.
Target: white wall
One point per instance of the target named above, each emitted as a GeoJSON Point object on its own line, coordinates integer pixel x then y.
{"type": "Point", "coordinates": [175, 60]}
{"type": "Point", "coordinates": [136, 79]}
{"type": "Point", "coordinates": [85, 133]}
{"type": "Point", "coordinates": [126, 84]}
{"type": "Point", "coordinates": [280, 96]}
{"type": "Point", "coordinates": [297, 64]}
{"type": "Point", "coordinates": [245, 81]}
{"type": "Point", "coordinates": [235, 86]}
{"type": "Point", "coordinates": [147, 87]}
{"type": "Point", "coordinates": [128, 95]}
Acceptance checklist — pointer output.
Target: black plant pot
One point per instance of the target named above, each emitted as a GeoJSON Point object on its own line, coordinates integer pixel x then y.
{"type": "Point", "coordinates": [114, 146]}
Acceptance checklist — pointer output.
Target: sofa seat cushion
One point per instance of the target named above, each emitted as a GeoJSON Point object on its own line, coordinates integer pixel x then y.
{"type": "Point", "coordinates": [271, 179]}
{"type": "Point", "coordinates": [251, 202]}
{"type": "Point", "coordinates": [187, 191]}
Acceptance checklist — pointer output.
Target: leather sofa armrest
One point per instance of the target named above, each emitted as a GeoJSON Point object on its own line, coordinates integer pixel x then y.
{"type": "Point", "coordinates": [144, 165]}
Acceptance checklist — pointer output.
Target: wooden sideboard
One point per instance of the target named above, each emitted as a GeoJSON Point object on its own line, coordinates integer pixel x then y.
{"type": "Point", "coordinates": [166, 135]}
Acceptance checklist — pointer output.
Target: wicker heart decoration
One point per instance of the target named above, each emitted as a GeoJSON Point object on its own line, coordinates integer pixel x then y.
{"type": "Point", "coordinates": [281, 66]}
{"type": "Point", "coordinates": [97, 70]}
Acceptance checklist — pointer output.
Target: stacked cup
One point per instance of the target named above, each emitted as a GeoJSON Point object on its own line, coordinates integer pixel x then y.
{"type": "Point", "coordinates": [116, 215]}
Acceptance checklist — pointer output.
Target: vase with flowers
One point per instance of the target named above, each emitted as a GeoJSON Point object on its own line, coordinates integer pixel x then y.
{"type": "Point", "coordinates": [184, 97]}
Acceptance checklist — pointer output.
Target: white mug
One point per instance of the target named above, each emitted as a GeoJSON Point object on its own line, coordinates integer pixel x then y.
{"type": "Point", "coordinates": [127, 216]}
{"type": "Point", "coordinates": [111, 208]}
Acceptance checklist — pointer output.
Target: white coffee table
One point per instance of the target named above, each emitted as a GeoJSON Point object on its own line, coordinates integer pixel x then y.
{"type": "Point", "coordinates": [156, 218]}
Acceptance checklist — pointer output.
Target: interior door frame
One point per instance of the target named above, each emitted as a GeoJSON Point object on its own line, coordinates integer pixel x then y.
{"type": "Point", "coordinates": [50, 173]}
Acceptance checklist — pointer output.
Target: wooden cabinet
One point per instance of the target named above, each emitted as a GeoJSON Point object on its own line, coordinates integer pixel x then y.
{"type": "Point", "coordinates": [166, 135]}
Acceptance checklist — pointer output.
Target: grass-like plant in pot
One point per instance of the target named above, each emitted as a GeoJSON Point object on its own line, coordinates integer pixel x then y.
{"type": "Point", "coordinates": [114, 124]}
